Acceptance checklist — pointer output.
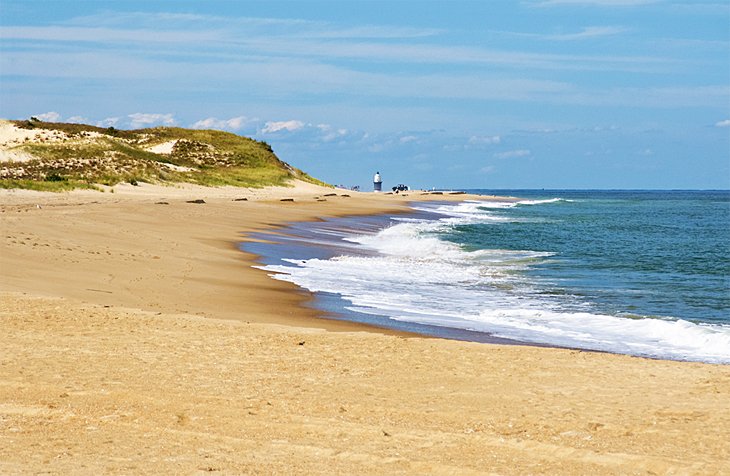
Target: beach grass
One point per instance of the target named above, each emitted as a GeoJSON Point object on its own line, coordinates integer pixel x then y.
{"type": "Point", "coordinates": [255, 177]}
{"type": "Point", "coordinates": [46, 185]}
{"type": "Point", "coordinates": [68, 156]}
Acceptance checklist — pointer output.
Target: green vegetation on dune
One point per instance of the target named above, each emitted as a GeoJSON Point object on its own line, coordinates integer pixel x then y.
{"type": "Point", "coordinates": [239, 176]}
{"type": "Point", "coordinates": [72, 128]}
{"type": "Point", "coordinates": [67, 156]}
{"type": "Point", "coordinates": [46, 185]}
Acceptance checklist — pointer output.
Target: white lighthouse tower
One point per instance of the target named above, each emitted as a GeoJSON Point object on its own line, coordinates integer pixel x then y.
{"type": "Point", "coordinates": [377, 182]}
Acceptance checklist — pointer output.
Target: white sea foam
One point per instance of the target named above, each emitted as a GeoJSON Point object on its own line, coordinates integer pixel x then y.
{"type": "Point", "coordinates": [414, 276]}
{"type": "Point", "coordinates": [541, 202]}
{"type": "Point", "coordinates": [478, 211]}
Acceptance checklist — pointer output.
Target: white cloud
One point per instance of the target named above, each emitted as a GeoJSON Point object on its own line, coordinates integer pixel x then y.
{"type": "Point", "coordinates": [276, 126]}
{"type": "Point", "coordinates": [588, 32]}
{"type": "Point", "coordinates": [725, 123]}
{"type": "Point", "coordinates": [373, 32]}
{"type": "Point", "coordinates": [329, 133]}
{"type": "Point", "coordinates": [167, 20]}
{"type": "Point", "coordinates": [49, 116]}
{"type": "Point", "coordinates": [106, 35]}
{"type": "Point", "coordinates": [238, 122]}
{"type": "Point", "coordinates": [407, 139]}
{"type": "Point", "coordinates": [484, 140]}
{"type": "Point", "coordinates": [272, 27]}
{"type": "Point", "coordinates": [512, 154]}
{"type": "Point", "coordinates": [603, 128]}
{"type": "Point", "coordinates": [487, 170]}
{"type": "Point", "coordinates": [585, 32]}
{"type": "Point", "coordinates": [78, 120]}
{"type": "Point", "coordinates": [234, 123]}
{"type": "Point", "coordinates": [140, 119]}
{"type": "Point", "coordinates": [228, 39]}
{"type": "Point", "coordinates": [415, 53]}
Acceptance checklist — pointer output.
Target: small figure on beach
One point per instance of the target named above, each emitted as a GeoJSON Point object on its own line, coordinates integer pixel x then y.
{"type": "Point", "coordinates": [377, 182]}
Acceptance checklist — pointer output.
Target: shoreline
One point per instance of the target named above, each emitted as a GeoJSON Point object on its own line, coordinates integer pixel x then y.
{"type": "Point", "coordinates": [266, 246]}
{"type": "Point", "coordinates": [139, 339]}
{"type": "Point", "coordinates": [328, 240]}
{"type": "Point", "coordinates": [263, 211]}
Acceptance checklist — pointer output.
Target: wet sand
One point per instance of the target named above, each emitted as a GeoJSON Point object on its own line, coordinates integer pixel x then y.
{"type": "Point", "coordinates": [138, 339]}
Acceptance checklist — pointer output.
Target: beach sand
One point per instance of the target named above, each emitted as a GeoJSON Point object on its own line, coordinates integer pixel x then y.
{"type": "Point", "coordinates": [137, 338]}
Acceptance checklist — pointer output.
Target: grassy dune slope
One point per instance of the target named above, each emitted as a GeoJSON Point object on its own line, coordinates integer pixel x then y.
{"type": "Point", "coordinates": [60, 156]}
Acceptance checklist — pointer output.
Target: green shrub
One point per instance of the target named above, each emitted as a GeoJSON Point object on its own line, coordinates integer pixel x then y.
{"type": "Point", "coordinates": [55, 177]}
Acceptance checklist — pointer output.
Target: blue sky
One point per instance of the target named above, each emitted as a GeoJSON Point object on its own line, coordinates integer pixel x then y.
{"type": "Point", "coordinates": [462, 94]}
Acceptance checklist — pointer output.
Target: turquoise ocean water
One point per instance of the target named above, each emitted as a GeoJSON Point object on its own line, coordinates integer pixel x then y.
{"type": "Point", "coordinates": [645, 273]}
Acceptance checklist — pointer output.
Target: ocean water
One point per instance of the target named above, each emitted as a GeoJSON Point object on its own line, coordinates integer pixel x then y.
{"type": "Point", "coordinates": [644, 273]}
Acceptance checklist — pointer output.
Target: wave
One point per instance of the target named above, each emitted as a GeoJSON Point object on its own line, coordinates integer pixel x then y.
{"type": "Point", "coordinates": [541, 202]}
{"type": "Point", "coordinates": [478, 210]}
{"type": "Point", "coordinates": [410, 274]}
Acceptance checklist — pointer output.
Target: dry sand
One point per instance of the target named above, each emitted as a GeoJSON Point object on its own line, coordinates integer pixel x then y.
{"type": "Point", "coordinates": [136, 338]}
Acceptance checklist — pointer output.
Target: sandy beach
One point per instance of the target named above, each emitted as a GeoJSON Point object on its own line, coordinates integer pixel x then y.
{"type": "Point", "coordinates": [137, 338]}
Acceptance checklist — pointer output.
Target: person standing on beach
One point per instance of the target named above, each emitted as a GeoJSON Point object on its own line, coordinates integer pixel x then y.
{"type": "Point", "coordinates": [377, 182]}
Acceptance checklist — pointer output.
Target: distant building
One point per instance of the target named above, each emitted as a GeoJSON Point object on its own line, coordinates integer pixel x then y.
{"type": "Point", "coordinates": [377, 182]}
